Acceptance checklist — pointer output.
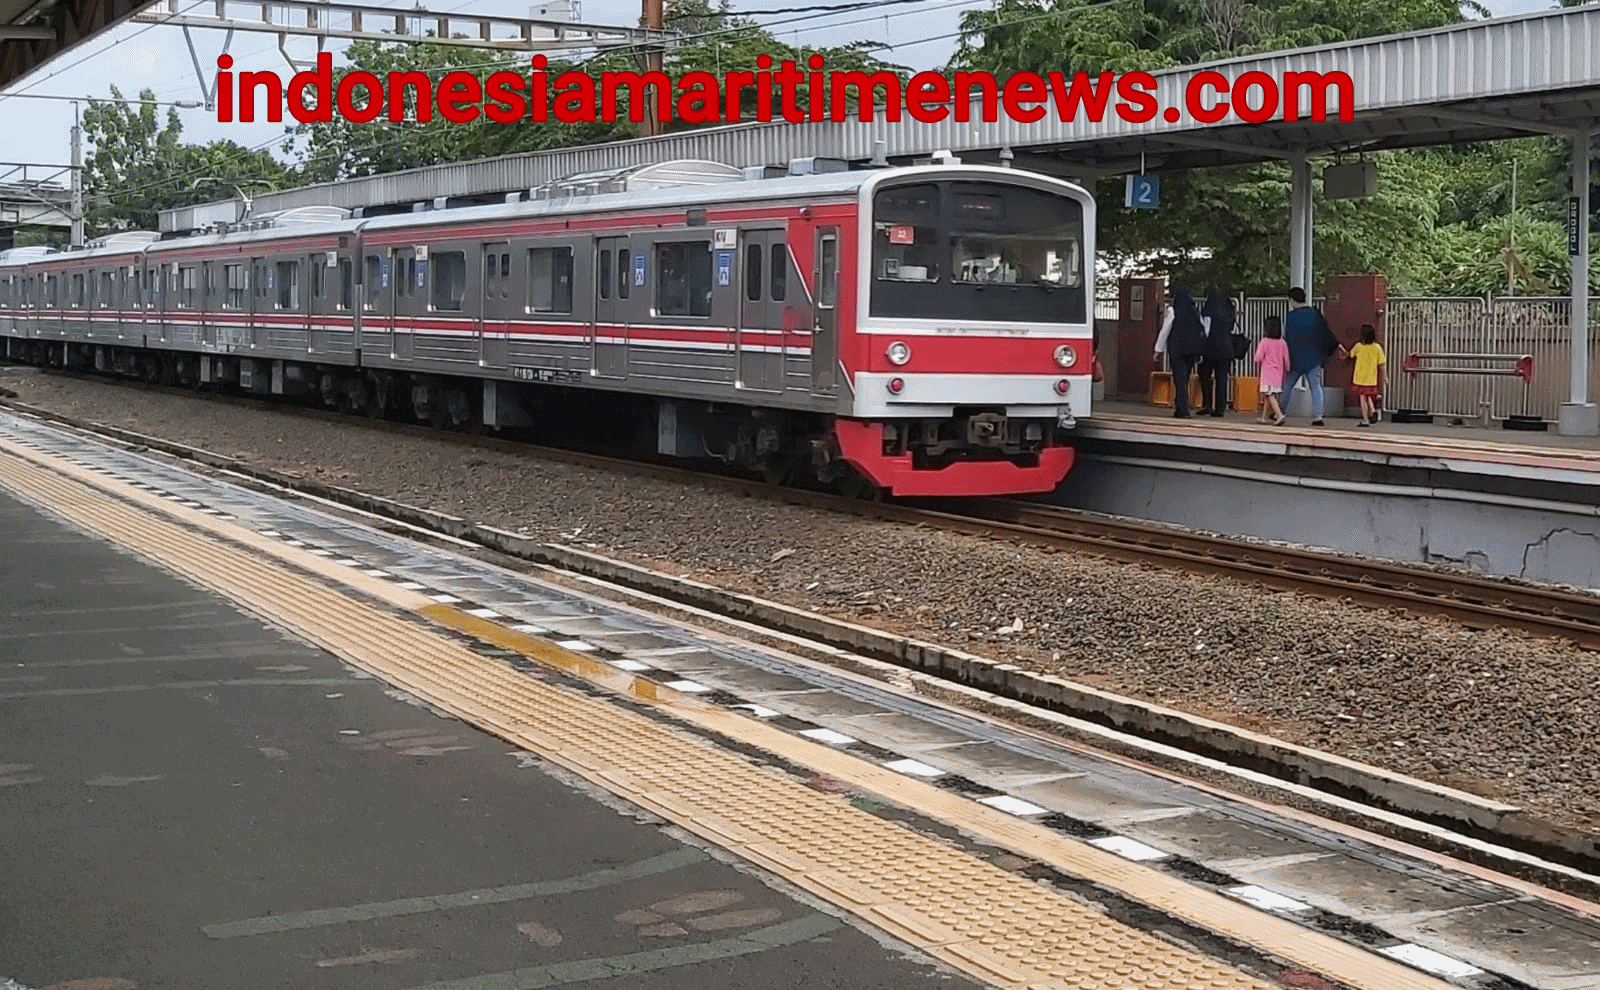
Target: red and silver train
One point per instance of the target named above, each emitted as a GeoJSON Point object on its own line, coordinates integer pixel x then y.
{"type": "Point", "coordinates": [921, 331]}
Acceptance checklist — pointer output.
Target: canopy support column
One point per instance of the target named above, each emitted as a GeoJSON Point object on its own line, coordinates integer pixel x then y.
{"type": "Point", "coordinates": [1579, 416]}
{"type": "Point", "coordinates": [1300, 225]}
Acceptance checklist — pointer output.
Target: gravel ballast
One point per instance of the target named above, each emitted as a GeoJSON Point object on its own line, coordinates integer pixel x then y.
{"type": "Point", "coordinates": [1499, 713]}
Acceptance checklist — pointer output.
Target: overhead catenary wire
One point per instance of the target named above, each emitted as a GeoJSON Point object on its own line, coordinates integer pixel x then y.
{"type": "Point", "coordinates": [388, 138]}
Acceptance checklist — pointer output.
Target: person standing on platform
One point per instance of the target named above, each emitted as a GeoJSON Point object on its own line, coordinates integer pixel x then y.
{"type": "Point", "coordinates": [1272, 354]}
{"type": "Point", "coordinates": [1220, 318]}
{"type": "Point", "coordinates": [1311, 343]}
{"type": "Point", "coordinates": [1183, 340]}
{"type": "Point", "coordinates": [1369, 358]}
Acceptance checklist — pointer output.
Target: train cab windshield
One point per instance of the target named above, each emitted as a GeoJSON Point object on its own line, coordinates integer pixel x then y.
{"type": "Point", "coordinates": [979, 251]}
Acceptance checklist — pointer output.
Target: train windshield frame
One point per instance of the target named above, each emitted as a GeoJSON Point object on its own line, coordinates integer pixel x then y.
{"type": "Point", "coordinates": [977, 250]}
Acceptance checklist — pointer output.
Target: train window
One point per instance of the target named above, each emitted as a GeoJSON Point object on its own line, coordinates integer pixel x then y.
{"type": "Point", "coordinates": [905, 228]}
{"type": "Point", "coordinates": [211, 282]}
{"type": "Point", "coordinates": [233, 286]}
{"type": "Point", "coordinates": [288, 284]}
{"type": "Point", "coordinates": [752, 272]}
{"type": "Point", "coordinates": [780, 272]}
{"type": "Point", "coordinates": [550, 280]}
{"type": "Point", "coordinates": [449, 279]}
{"type": "Point", "coordinates": [683, 285]}
{"type": "Point", "coordinates": [603, 279]}
{"type": "Point", "coordinates": [319, 278]}
{"type": "Point", "coordinates": [346, 283]}
{"type": "Point", "coordinates": [77, 291]}
{"type": "Point", "coordinates": [624, 269]}
{"type": "Point", "coordinates": [828, 282]}
{"type": "Point", "coordinates": [186, 286]}
{"type": "Point", "coordinates": [374, 280]}
{"type": "Point", "coordinates": [491, 276]}
{"type": "Point", "coordinates": [108, 289]}
{"type": "Point", "coordinates": [505, 275]}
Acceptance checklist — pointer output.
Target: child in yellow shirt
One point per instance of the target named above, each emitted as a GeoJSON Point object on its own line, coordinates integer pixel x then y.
{"type": "Point", "coordinates": [1369, 358]}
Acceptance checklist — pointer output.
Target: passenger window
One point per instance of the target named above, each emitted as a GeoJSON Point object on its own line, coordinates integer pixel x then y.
{"type": "Point", "coordinates": [449, 280]}
{"type": "Point", "coordinates": [186, 286]}
{"type": "Point", "coordinates": [374, 280]}
{"type": "Point", "coordinates": [233, 286]}
{"type": "Point", "coordinates": [288, 285]}
{"type": "Point", "coordinates": [346, 283]}
{"type": "Point", "coordinates": [780, 271]}
{"type": "Point", "coordinates": [624, 271]}
{"type": "Point", "coordinates": [505, 276]}
{"type": "Point", "coordinates": [604, 278]}
{"type": "Point", "coordinates": [550, 280]}
{"type": "Point", "coordinates": [752, 272]}
{"type": "Point", "coordinates": [828, 261]}
{"type": "Point", "coordinates": [683, 278]}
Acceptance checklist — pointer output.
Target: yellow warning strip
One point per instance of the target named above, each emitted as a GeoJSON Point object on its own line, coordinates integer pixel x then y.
{"type": "Point", "coordinates": [999, 927]}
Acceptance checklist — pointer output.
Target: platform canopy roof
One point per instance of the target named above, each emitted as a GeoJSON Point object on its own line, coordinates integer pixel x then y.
{"type": "Point", "coordinates": [1482, 80]}
{"type": "Point", "coordinates": [34, 32]}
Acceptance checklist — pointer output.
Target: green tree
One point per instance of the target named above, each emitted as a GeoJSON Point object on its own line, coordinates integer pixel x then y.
{"type": "Point", "coordinates": [1242, 213]}
{"type": "Point", "coordinates": [137, 166]}
{"type": "Point", "coordinates": [714, 41]}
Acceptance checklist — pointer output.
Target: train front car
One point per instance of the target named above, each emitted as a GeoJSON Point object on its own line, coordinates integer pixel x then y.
{"type": "Point", "coordinates": [972, 346]}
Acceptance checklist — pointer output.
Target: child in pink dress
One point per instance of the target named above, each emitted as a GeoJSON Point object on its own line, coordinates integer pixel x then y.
{"type": "Point", "coordinates": [1272, 354]}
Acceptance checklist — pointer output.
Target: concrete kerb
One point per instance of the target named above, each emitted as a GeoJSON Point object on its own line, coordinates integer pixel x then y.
{"type": "Point", "coordinates": [1466, 814]}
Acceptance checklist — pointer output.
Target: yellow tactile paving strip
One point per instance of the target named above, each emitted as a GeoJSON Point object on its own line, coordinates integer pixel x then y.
{"type": "Point", "coordinates": [1002, 928]}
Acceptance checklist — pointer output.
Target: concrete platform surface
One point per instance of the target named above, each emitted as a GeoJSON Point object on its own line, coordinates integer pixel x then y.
{"type": "Point", "coordinates": [190, 800]}
{"type": "Point", "coordinates": [1439, 444]}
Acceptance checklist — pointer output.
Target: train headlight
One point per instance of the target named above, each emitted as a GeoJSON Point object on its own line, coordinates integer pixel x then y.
{"type": "Point", "coordinates": [1066, 357]}
{"type": "Point", "coordinates": [899, 352]}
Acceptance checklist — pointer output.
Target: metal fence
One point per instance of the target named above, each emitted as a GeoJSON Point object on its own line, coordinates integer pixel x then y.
{"type": "Point", "coordinates": [1510, 325]}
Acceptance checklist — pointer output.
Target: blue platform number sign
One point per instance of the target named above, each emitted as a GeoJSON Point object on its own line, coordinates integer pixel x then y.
{"type": "Point", "coordinates": [724, 267]}
{"type": "Point", "coordinates": [638, 268]}
{"type": "Point", "coordinates": [1143, 192]}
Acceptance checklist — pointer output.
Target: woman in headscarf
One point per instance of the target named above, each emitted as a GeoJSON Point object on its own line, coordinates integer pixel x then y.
{"type": "Point", "coordinates": [1183, 341]}
{"type": "Point", "coordinates": [1220, 319]}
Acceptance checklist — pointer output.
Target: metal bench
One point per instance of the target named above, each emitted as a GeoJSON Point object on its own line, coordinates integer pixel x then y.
{"type": "Point", "coordinates": [1521, 365]}
{"type": "Point", "coordinates": [1517, 365]}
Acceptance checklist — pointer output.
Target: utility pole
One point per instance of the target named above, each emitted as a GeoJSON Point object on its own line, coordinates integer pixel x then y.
{"type": "Point", "coordinates": [654, 19]}
{"type": "Point", "coordinates": [77, 180]}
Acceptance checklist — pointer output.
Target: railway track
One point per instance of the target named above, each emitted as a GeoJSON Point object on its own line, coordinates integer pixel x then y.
{"type": "Point", "coordinates": [1472, 600]}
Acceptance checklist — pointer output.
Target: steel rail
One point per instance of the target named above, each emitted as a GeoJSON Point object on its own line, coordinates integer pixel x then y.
{"type": "Point", "coordinates": [1474, 601]}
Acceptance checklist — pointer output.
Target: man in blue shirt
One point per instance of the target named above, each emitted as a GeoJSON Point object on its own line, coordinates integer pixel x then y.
{"type": "Point", "coordinates": [1311, 343]}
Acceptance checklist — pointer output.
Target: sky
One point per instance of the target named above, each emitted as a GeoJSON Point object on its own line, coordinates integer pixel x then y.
{"type": "Point", "coordinates": [136, 56]}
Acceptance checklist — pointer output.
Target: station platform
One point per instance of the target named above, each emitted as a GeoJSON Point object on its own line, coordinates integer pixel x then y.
{"type": "Point", "coordinates": [1469, 451]}
{"type": "Point", "coordinates": [1498, 502]}
{"type": "Point", "coordinates": [258, 742]}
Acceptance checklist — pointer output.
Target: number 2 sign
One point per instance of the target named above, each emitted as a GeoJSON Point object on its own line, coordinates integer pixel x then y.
{"type": "Point", "coordinates": [1143, 192]}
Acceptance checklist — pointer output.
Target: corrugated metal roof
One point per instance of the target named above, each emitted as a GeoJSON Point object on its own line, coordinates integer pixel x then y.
{"type": "Point", "coordinates": [1512, 73]}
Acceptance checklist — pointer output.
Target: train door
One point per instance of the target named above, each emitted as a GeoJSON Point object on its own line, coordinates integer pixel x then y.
{"type": "Point", "coordinates": [210, 305]}
{"type": "Point", "coordinates": [608, 333]}
{"type": "Point", "coordinates": [262, 290]}
{"type": "Point", "coordinates": [403, 287]}
{"type": "Point", "coordinates": [322, 270]}
{"type": "Point", "coordinates": [494, 315]}
{"type": "Point", "coordinates": [763, 301]}
{"type": "Point", "coordinates": [825, 331]}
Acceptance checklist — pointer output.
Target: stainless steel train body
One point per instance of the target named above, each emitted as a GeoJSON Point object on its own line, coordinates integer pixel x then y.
{"type": "Point", "coordinates": [930, 326]}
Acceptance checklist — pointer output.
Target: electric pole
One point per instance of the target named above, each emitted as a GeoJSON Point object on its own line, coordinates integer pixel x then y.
{"type": "Point", "coordinates": [654, 19]}
{"type": "Point", "coordinates": [77, 180]}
